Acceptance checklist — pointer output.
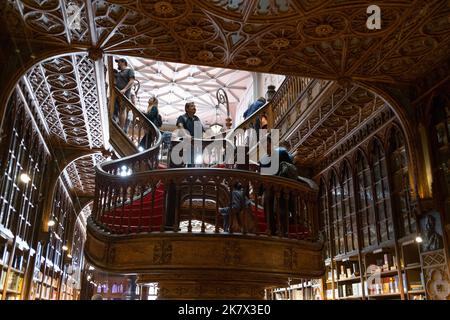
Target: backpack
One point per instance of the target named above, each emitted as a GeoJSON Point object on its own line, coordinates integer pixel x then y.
{"type": "Point", "coordinates": [288, 170]}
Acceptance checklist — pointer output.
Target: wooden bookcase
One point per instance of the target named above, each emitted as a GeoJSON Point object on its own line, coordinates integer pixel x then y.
{"type": "Point", "coordinates": [368, 275]}
{"type": "Point", "coordinates": [15, 280]}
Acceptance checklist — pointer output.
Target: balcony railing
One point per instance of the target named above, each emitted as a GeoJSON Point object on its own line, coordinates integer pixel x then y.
{"type": "Point", "coordinates": [140, 194]}
{"type": "Point", "coordinates": [269, 116]}
{"type": "Point", "coordinates": [159, 200]}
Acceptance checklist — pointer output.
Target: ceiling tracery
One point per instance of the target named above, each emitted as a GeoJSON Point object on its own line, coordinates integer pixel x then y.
{"type": "Point", "coordinates": [80, 174]}
{"type": "Point", "coordinates": [174, 84]}
{"type": "Point", "coordinates": [322, 39]}
{"type": "Point", "coordinates": [66, 93]}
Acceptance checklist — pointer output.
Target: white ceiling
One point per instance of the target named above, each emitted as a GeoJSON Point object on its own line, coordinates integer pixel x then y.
{"type": "Point", "coordinates": [174, 84]}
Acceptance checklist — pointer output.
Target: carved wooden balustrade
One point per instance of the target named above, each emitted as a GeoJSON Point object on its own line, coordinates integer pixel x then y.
{"type": "Point", "coordinates": [165, 223]}
{"type": "Point", "coordinates": [269, 116]}
{"type": "Point", "coordinates": [131, 121]}
{"type": "Point", "coordinates": [166, 226]}
{"type": "Point", "coordinates": [140, 202]}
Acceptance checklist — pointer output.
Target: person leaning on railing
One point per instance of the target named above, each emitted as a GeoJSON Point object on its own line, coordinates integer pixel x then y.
{"type": "Point", "coordinates": [124, 80]}
{"type": "Point", "coordinates": [254, 107]}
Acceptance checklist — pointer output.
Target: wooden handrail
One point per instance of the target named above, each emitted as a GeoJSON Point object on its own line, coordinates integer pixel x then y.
{"type": "Point", "coordinates": [130, 192]}
{"type": "Point", "coordinates": [287, 96]}
{"type": "Point", "coordinates": [120, 203]}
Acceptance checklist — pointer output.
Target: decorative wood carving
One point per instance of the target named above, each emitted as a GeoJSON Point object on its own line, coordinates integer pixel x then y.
{"type": "Point", "coordinates": [438, 283]}
{"type": "Point", "coordinates": [154, 252]}
{"type": "Point", "coordinates": [232, 253]}
{"type": "Point", "coordinates": [330, 120]}
{"type": "Point", "coordinates": [162, 252]}
{"type": "Point", "coordinates": [290, 258]}
{"type": "Point", "coordinates": [66, 95]}
{"type": "Point", "coordinates": [319, 39]}
{"type": "Point", "coordinates": [80, 174]}
{"type": "Point", "coordinates": [433, 258]}
{"type": "Point", "coordinates": [380, 117]}
{"type": "Point", "coordinates": [187, 265]}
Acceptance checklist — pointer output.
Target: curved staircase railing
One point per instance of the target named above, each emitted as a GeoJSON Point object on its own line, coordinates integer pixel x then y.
{"type": "Point", "coordinates": [131, 196]}
{"type": "Point", "coordinates": [270, 115]}
{"type": "Point", "coordinates": [141, 202]}
{"type": "Point", "coordinates": [167, 224]}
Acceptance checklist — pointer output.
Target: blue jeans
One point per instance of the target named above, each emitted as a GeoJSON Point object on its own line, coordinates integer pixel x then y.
{"type": "Point", "coordinates": [226, 218]}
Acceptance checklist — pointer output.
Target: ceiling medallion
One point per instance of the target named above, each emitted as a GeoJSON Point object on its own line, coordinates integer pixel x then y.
{"type": "Point", "coordinates": [163, 8]}
{"type": "Point", "coordinates": [194, 32]}
{"type": "Point", "coordinates": [205, 55]}
{"type": "Point", "coordinates": [253, 61]}
{"type": "Point", "coordinates": [280, 43]}
{"type": "Point", "coordinates": [324, 30]}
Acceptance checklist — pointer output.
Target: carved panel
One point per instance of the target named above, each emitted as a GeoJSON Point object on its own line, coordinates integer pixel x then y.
{"type": "Point", "coordinates": [208, 253]}
{"type": "Point", "coordinates": [437, 283]}
{"type": "Point", "coordinates": [66, 21]}
{"type": "Point", "coordinates": [433, 258]}
{"type": "Point", "coordinates": [290, 258]}
{"type": "Point", "coordinates": [232, 253]}
{"type": "Point", "coordinates": [436, 274]}
{"type": "Point", "coordinates": [162, 252]}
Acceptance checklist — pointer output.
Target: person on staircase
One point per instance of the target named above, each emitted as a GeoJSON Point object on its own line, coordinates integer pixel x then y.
{"type": "Point", "coordinates": [238, 202]}
{"type": "Point", "coordinates": [190, 125]}
{"type": "Point", "coordinates": [152, 114]}
{"type": "Point", "coordinates": [124, 79]}
{"type": "Point", "coordinates": [254, 107]}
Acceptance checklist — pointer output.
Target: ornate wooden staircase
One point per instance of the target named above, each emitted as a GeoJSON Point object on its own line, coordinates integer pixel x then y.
{"type": "Point", "coordinates": [164, 224]}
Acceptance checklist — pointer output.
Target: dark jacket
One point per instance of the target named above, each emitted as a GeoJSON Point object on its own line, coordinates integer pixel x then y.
{"type": "Point", "coordinates": [253, 108]}
{"type": "Point", "coordinates": [154, 117]}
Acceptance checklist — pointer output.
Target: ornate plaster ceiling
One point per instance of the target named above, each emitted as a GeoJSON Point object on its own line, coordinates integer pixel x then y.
{"type": "Point", "coordinates": [175, 84]}
{"type": "Point", "coordinates": [322, 38]}
{"type": "Point", "coordinates": [66, 96]}
{"type": "Point", "coordinates": [80, 174]}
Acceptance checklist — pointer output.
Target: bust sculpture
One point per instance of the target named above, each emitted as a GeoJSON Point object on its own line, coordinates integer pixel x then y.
{"type": "Point", "coordinates": [433, 240]}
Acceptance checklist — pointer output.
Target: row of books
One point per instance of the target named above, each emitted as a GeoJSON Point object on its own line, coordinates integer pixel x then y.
{"type": "Point", "coordinates": [15, 281]}
{"type": "Point", "coordinates": [385, 285]}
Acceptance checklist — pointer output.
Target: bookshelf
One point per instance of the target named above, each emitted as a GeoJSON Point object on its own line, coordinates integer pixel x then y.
{"type": "Point", "coordinates": [302, 289]}
{"type": "Point", "coordinates": [414, 281]}
{"type": "Point", "coordinates": [382, 274]}
{"type": "Point", "coordinates": [369, 275]}
{"type": "Point", "coordinates": [14, 284]}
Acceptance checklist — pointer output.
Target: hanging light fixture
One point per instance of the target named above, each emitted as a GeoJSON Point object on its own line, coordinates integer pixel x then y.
{"type": "Point", "coordinates": [216, 127]}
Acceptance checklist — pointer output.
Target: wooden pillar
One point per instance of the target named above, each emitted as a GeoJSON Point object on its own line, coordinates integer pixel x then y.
{"type": "Point", "coordinates": [143, 292]}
